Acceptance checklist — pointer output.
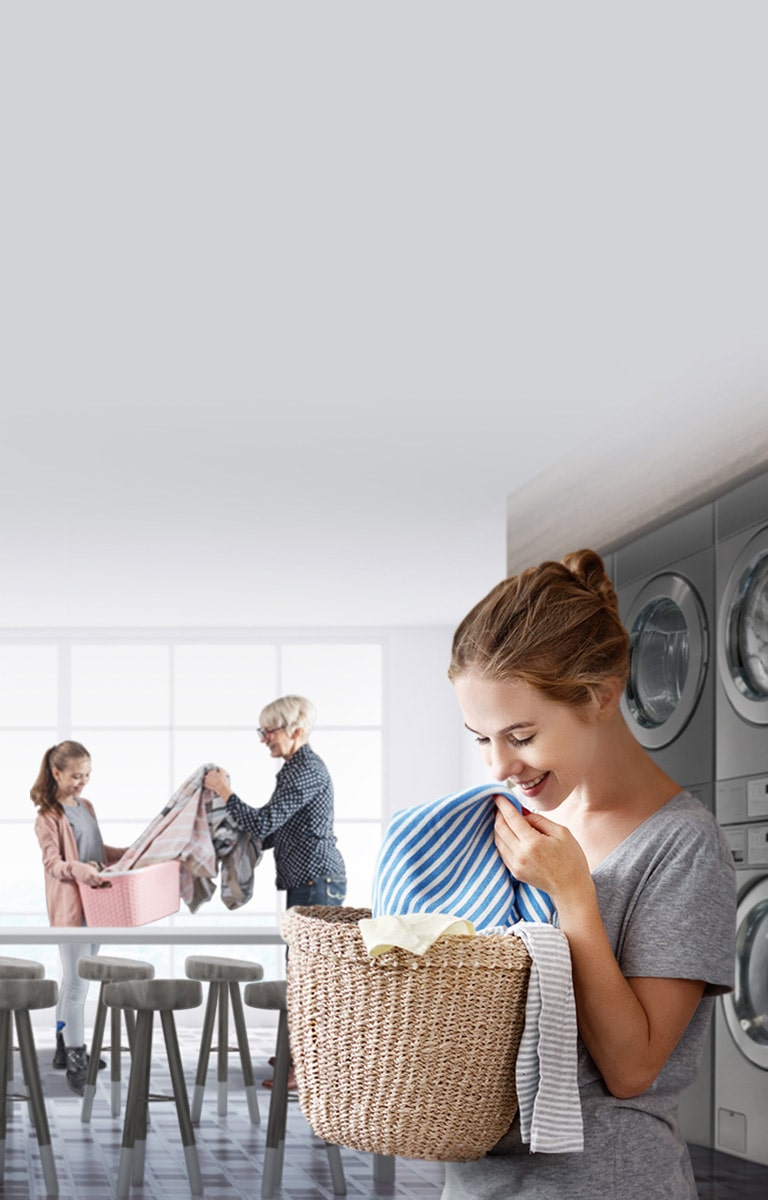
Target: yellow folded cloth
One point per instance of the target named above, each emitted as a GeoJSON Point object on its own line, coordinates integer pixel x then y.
{"type": "Point", "coordinates": [411, 931]}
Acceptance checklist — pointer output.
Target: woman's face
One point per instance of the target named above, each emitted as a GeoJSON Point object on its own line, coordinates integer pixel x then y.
{"type": "Point", "coordinates": [545, 749]}
{"type": "Point", "coordinates": [279, 742]}
{"type": "Point", "coordinates": [72, 777]}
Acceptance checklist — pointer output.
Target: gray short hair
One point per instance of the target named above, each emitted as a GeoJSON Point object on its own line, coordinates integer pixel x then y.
{"type": "Point", "coordinates": [294, 712]}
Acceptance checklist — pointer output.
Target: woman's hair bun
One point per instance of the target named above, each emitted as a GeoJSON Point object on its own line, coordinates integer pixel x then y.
{"type": "Point", "coordinates": [588, 567]}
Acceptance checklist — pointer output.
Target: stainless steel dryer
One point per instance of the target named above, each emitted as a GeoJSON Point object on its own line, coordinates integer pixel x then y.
{"type": "Point", "coordinates": [666, 590]}
{"type": "Point", "coordinates": [741, 1018]}
{"type": "Point", "coordinates": [741, 700]}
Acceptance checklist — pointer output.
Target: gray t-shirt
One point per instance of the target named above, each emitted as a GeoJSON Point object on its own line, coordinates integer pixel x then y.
{"type": "Point", "coordinates": [667, 896]}
{"type": "Point", "coordinates": [90, 847]}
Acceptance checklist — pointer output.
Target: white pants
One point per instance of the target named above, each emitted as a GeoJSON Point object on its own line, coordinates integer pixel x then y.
{"type": "Point", "coordinates": [73, 992]}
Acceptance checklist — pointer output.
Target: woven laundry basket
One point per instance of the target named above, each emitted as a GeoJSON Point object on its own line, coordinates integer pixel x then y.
{"type": "Point", "coordinates": [403, 1054]}
{"type": "Point", "coordinates": [136, 897]}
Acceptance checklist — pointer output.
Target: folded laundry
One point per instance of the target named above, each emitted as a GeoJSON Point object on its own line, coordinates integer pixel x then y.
{"type": "Point", "coordinates": [441, 857]}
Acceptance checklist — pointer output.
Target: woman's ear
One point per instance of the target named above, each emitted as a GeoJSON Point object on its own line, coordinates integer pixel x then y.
{"type": "Point", "coordinates": [607, 696]}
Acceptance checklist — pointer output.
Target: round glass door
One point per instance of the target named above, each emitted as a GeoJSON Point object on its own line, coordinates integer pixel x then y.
{"type": "Point", "coordinates": [668, 650]}
{"type": "Point", "coordinates": [743, 641]}
{"type": "Point", "coordinates": [746, 1008]}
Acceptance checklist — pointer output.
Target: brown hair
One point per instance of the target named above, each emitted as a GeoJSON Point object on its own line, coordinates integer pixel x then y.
{"type": "Point", "coordinates": [555, 627]}
{"type": "Point", "coordinates": [44, 791]}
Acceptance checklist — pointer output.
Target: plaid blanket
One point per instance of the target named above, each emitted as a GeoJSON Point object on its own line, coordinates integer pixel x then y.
{"type": "Point", "coordinates": [195, 827]}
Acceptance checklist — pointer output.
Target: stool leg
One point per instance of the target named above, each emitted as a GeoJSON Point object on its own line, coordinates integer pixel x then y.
{"type": "Point", "coordinates": [337, 1170]}
{"type": "Point", "coordinates": [222, 1057]}
{"type": "Point", "coordinates": [182, 1103]}
{"type": "Point", "coordinates": [245, 1054]}
{"type": "Point", "coordinates": [36, 1102]}
{"type": "Point", "coordinates": [278, 1112]}
{"type": "Point", "coordinates": [93, 1062]}
{"type": "Point", "coordinates": [115, 1048]}
{"type": "Point", "coordinates": [135, 1099]}
{"type": "Point", "coordinates": [142, 1124]}
{"type": "Point", "coordinates": [205, 1053]}
{"type": "Point", "coordinates": [6, 1048]}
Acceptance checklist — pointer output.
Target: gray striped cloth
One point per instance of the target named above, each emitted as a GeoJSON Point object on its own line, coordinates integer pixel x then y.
{"type": "Point", "coordinates": [546, 1072]}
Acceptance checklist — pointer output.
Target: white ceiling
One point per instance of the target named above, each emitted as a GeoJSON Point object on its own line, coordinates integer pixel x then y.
{"type": "Point", "coordinates": [296, 295]}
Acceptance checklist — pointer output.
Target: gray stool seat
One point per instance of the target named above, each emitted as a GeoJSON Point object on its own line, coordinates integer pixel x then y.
{"type": "Point", "coordinates": [154, 995]}
{"type": "Point", "coordinates": [146, 997]}
{"type": "Point", "coordinates": [21, 968]}
{"type": "Point", "coordinates": [104, 969]}
{"type": "Point", "coordinates": [209, 969]}
{"type": "Point", "coordinates": [223, 976]}
{"type": "Point", "coordinates": [272, 995]}
{"type": "Point", "coordinates": [18, 997]}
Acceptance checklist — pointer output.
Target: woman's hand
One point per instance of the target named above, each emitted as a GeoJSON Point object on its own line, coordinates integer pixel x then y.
{"type": "Point", "coordinates": [538, 851]}
{"type": "Point", "coordinates": [87, 873]}
{"type": "Point", "coordinates": [218, 781]}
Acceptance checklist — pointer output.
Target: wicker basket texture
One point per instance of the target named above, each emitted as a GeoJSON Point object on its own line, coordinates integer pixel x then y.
{"type": "Point", "coordinates": [135, 897]}
{"type": "Point", "coordinates": [404, 1055]}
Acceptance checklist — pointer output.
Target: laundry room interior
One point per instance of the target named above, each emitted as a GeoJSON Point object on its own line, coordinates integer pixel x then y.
{"type": "Point", "coordinates": [319, 321]}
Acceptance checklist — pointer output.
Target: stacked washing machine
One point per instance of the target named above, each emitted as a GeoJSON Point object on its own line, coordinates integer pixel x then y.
{"type": "Point", "coordinates": [665, 583]}
{"type": "Point", "coordinates": [741, 798]}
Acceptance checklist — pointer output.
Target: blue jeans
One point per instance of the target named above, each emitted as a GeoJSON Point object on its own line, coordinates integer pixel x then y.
{"type": "Point", "coordinates": [319, 891]}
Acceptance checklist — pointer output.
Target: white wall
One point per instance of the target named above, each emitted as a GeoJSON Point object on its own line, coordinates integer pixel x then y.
{"type": "Point", "coordinates": [429, 752]}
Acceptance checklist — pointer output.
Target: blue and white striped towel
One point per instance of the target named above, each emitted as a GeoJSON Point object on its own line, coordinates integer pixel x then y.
{"type": "Point", "coordinates": [441, 858]}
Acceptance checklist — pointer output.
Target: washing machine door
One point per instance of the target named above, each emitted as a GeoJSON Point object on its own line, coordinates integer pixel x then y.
{"type": "Point", "coordinates": [746, 1008]}
{"type": "Point", "coordinates": [743, 632]}
{"type": "Point", "coordinates": [668, 654]}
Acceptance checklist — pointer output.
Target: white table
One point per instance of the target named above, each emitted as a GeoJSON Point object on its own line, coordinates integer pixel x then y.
{"type": "Point", "coordinates": [228, 933]}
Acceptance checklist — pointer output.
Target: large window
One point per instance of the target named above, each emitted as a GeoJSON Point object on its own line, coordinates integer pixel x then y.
{"type": "Point", "coordinates": [151, 708]}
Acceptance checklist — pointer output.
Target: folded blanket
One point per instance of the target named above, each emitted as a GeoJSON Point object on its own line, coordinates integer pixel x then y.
{"type": "Point", "coordinates": [441, 858]}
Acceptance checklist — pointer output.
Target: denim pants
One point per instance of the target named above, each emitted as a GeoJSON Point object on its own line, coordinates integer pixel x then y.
{"type": "Point", "coordinates": [318, 891]}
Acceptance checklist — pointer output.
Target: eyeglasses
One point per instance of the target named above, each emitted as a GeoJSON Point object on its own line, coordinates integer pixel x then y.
{"type": "Point", "coordinates": [266, 734]}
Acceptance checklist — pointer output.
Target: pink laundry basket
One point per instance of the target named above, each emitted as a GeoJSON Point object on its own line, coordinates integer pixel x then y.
{"type": "Point", "coordinates": [135, 897]}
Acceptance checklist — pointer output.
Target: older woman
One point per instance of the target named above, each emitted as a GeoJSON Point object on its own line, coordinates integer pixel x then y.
{"type": "Point", "coordinates": [297, 820]}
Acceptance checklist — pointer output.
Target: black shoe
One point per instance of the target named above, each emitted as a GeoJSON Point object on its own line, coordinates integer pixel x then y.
{"type": "Point", "coordinates": [77, 1068]}
{"type": "Point", "coordinates": [60, 1057]}
{"type": "Point", "coordinates": [59, 1062]}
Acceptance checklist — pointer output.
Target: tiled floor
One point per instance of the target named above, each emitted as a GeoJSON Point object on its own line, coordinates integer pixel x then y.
{"type": "Point", "coordinates": [231, 1149]}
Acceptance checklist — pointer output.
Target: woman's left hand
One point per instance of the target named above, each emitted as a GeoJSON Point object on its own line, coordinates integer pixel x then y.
{"type": "Point", "coordinates": [538, 851]}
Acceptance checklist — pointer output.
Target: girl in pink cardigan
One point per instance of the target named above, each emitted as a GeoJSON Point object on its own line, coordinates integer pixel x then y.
{"type": "Point", "coordinates": [73, 852]}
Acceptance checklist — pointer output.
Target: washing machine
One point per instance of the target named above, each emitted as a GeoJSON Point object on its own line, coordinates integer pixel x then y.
{"type": "Point", "coordinates": [666, 590]}
{"type": "Point", "coordinates": [741, 1018]}
{"type": "Point", "coordinates": [665, 584]}
{"type": "Point", "coordinates": [741, 701]}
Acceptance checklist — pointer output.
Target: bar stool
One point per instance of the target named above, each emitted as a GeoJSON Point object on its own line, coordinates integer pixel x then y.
{"type": "Point", "coordinates": [224, 976]}
{"type": "Point", "coordinates": [102, 968]}
{"type": "Point", "coordinates": [19, 997]}
{"type": "Point", "coordinates": [146, 997]}
{"type": "Point", "coordinates": [271, 995]}
{"type": "Point", "coordinates": [18, 968]}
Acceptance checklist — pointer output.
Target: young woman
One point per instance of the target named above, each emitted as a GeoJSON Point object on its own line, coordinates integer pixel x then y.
{"type": "Point", "coordinates": [73, 852]}
{"type": "Point", "coordinates": [641, 878]}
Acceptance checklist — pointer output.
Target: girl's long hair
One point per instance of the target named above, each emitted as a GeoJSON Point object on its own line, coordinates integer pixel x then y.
{"type": "Point", "coordinates": [44, 791]}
